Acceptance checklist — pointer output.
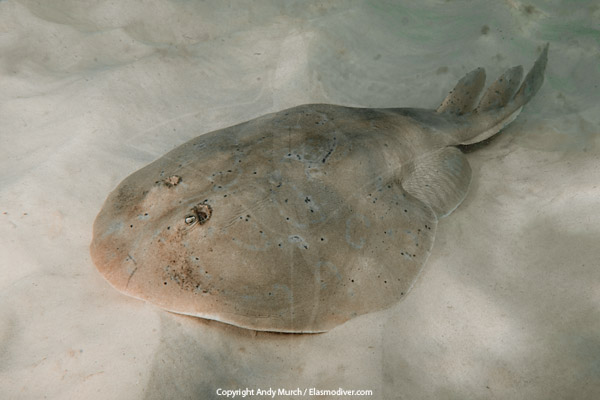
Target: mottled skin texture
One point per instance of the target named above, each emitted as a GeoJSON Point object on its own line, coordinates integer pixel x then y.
{"type": "Point", "coordinates": [295, 221]}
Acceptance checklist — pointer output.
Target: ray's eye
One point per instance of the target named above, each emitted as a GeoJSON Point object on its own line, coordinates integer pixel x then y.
{"type": "Point", "coordinates": [190, 219]}
{"type": "Point", "coordinates": [199, 214]}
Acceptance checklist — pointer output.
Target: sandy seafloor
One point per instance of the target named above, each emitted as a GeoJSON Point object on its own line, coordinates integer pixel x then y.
{"type": "Point", "coordinates": [508, 305]}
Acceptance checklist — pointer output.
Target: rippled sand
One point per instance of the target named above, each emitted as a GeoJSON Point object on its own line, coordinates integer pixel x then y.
{"type": "Point", "coordinates": [508, 304]}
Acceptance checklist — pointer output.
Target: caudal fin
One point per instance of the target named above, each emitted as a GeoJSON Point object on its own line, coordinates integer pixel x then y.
{"type": "Point", "coordinates": [533, 81]}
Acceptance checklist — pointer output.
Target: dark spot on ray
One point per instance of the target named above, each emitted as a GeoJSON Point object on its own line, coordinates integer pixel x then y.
{"type": "Point", "coordinates": [327, 156]}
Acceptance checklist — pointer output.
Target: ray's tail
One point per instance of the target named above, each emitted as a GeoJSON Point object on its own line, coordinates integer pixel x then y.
{"type": "Point", "coordinates": [499, 105]}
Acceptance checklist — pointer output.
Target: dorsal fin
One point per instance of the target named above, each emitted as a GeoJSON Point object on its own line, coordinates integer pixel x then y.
{"type": "Point", "coordinates": [501, 91]}
{"type": "Point", "coordinates": [463, 97]}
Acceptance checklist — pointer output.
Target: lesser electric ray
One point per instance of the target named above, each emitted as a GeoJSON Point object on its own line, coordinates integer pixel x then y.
{"type": "Point", "coordinates": [302, 219]}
